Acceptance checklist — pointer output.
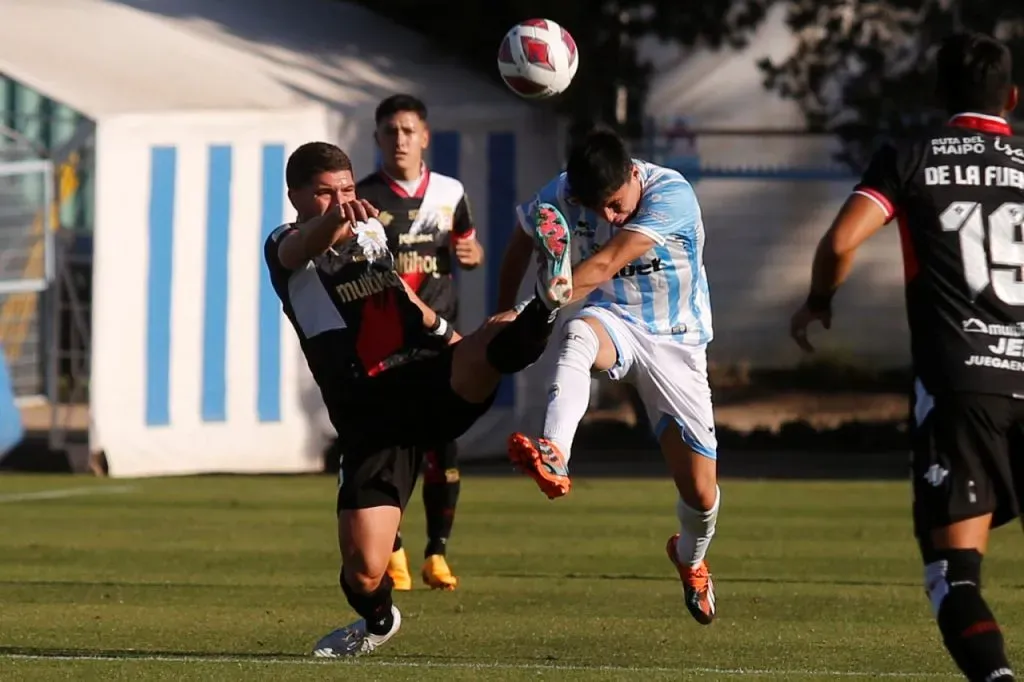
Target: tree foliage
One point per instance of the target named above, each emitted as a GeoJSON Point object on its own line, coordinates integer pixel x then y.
{"type": "Point", "coordinates": [861, 68]}
{"type": "Point", "coordinates": [864, 69]}
{"type": "Point", "coordinates": [472, 30]}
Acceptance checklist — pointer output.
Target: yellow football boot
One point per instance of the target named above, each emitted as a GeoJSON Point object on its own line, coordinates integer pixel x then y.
{"type": "Point", "coordinates": [437, 574]}
{"type": "Point", "coordinates": [398, 569]}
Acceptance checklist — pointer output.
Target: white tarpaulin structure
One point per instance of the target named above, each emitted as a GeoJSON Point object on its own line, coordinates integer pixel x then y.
{"type": "Point", "coordinates": [197, 104]}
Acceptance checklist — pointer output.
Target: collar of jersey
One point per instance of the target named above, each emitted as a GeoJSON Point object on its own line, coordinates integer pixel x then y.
{"type": "Point", "coordinates": [423, 173]}
{"type": "Point", "coordinates": [983, 123]}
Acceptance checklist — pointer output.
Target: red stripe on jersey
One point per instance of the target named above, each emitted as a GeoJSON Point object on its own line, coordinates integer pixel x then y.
{"type": "Point", "coordinates": [381, 333]}
{"type": "Point", "coordinates": [880, 199]}
{"type": "Point", "coordinates": [456, 237]}
{"type": "Point", "coordinates": [910, 263]}
{"type": "Point", "coordinates": [421, 189]}
{"type": "Point", "coordinates": [992, 125]}
{"type": "Point", "coordinates": [414, 279]}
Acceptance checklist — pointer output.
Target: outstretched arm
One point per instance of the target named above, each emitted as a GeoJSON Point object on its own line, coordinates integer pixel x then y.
{"type": "Point", "coordinates": [314, 237]}
{"type": "Point", "coordinates": [622, 249]}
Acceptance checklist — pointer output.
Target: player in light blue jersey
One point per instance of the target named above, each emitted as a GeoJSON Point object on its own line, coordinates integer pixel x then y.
{"type": "Point", "coordinates": [637, 239]}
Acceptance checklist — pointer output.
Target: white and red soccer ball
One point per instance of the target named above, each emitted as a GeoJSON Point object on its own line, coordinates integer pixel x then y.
{"type": "Point", "coordinates": [538, 58]}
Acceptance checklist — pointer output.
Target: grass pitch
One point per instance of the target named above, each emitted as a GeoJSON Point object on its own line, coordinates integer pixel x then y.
{"type": "Point", "coordinates": [235, 578]}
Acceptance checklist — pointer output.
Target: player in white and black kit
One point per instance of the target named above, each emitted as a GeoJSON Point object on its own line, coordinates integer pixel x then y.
{"type": "Point", "coordinates": [367, 338]}
{"type": "Point", "coordinates": [957, 194]}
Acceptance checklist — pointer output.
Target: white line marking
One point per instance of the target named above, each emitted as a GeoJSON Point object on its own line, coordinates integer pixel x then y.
{"type": "Point", "coordinates": [467, 665]}
{"type": "Point", "coordinates": [62, 493]}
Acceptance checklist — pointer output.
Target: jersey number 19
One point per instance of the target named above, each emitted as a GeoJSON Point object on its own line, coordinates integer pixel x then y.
{"type": "Point", "coordinates": [1002, 265]}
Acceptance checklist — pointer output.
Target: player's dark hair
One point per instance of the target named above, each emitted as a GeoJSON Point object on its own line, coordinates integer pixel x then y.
{"type": "Point", "coordinates": [396, 104]}
{"type": "Point", "coordinates": [974, 73]}
{"type": "Point", "coordinates": [312, 159]}
{"type": "Point", "coordinates": [599, 164]}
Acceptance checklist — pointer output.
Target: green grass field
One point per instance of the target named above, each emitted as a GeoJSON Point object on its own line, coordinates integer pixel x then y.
{"type": "Point", "coordinates": [234, 578]}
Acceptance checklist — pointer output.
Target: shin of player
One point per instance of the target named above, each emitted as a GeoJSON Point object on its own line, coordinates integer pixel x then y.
{"type": "Point", "coordinates": [967, 407]}
{"type": "Point", "coordinates": [367, 337]}
{"type": "Point", "coordinates": [645, 319]}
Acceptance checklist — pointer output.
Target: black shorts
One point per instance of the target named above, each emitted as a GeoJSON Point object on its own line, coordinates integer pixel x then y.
{"type": "Point", "coordinates": [380, 479]}
{"type": "Point", "coordinates": [385, 427]}
{"type": "Point", "coordinates": [966, 459]}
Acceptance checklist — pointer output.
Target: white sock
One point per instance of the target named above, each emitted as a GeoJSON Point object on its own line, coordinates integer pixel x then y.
{"type": "Point", "coordinates": [696, 528]}
{"type": "Point", "coordinates": [569, 394]}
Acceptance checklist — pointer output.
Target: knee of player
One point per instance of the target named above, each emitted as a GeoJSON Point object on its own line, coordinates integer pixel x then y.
{"type": "Point", "coordinates": [362, 580]}
{"type": "Point", "coordinates": [949, 571]}
{"type": "Point", "coordinates": [703, 495]}
{"type": "Point", "coordinates": [582, 347]}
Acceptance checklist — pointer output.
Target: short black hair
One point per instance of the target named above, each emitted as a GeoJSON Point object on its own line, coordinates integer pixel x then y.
{"type": "Point", "coordinates": [599, 164]}
{"type": "Point", "coordinates": [312, 159]}
{"type": "Point", "coordinates": [974, 73]}
{"type": "Point", "coordinates": [397, 104]}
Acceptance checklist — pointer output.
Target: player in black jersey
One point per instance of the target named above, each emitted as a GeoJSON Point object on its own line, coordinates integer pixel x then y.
{"type": "Point", "coordinates": [957, 193]}
{"type": "Point", "coordinates": [429, 226]}
{"type": "Point", "coordinates": [367, 339]}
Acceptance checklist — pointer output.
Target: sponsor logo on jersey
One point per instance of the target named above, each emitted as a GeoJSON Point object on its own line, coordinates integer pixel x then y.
{"type": "Point", "coordinates": [1015, 154]}
{"type": "Point", "coordinates": [368, 285]}
{"type": "Point", "coordinates": [642, 270]}
{"type": "Point", "coordinates": [412, 262]}
{"type": "Point", "coordinates": [995, 363]}
{"type": "Point", "coordinates": [409, 238]}
{"type": "Point", "coordinates": [958, 146]}
{"type": "Point", "coordinates": [1013, 348]}
{"type": "Point", "coordinates": [976, 326]}
{"type": "Point", "coordinates": [385, 218]}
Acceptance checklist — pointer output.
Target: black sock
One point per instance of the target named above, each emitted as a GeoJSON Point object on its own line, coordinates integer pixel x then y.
{"type": "Point", "coordinates": [522, 341]}
{"type": "Point", "coordinates": [969, 630]}
{"type": "Point", "coordinates": [375, 607]}
{"type": "Point", "coordinates": [398, 542]}
{"type": "Point", "coordinates": [441, 487]}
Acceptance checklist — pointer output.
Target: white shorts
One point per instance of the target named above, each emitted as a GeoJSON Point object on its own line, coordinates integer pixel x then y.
{"type": "Point", "coordinates": [671, 378]}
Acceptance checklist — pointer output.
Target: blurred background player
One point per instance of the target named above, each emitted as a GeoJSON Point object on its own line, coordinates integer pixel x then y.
{"type": "Point", "coordinates": [646, 319]}
{"type": "Point", "coordinates": [428, 222]}
{"type": "Point", "coordinates": [957, 191]}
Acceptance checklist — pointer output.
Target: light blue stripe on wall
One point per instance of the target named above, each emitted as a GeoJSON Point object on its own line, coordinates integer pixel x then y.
{"type": "Point", "coordinates": [268, 384]}
{"type": "Point", "coordinates": [163, 163]}
{"type": "Point", "coordinates": [215, 313]}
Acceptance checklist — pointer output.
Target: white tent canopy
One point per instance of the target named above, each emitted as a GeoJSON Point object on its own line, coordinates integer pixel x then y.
{"type": "Point", "coordinates": [110, 57]}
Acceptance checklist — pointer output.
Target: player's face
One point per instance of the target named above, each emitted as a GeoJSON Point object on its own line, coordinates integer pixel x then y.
{"type": "Point", "coordinates": [402, 139]}
{"type": "Point", "coordinates": [621, 204]}
{"type": "Point", "coordinates": [323, 192]}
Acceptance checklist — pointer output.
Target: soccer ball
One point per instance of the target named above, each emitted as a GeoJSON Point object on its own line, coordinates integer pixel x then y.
{"type": "Point", "coordinates": [538, 59]}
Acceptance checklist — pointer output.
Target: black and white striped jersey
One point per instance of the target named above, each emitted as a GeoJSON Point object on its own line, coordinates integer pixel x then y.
{"type": "Point", "coordinates": [349, 309]}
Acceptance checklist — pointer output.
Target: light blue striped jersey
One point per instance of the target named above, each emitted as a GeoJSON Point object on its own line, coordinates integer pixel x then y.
{"type": "Point", "coordinates": [665, 291]}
